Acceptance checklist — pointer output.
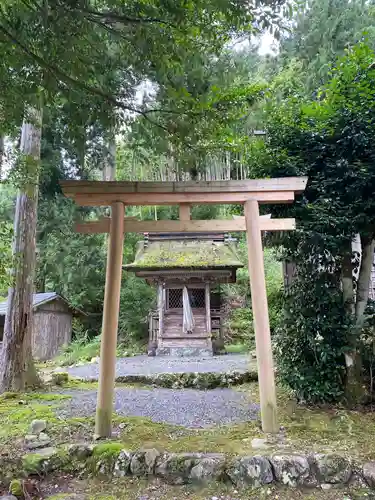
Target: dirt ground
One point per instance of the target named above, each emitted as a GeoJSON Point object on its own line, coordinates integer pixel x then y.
{"type": "Point", "coordinates": [69, 488]}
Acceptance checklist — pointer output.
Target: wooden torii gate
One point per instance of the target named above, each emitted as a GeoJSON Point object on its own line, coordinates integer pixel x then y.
{"type": "Point", "coordinates": [117, 195]}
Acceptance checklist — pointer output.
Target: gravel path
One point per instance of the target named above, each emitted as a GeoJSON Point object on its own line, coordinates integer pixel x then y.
{"type": "Point", "coordinates": [185, 407]}
{"type": "Point", "coordinates": [144, 365]}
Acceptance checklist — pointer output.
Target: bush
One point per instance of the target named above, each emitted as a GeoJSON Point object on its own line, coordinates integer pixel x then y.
{"type": "Point", "coordinates": [80, 350]}
{"type": "Point", "coordinates": [136, 301]}
{"type": "Point", "coordinates": [311, 342]}
{"type": "Point", "coordinates": [239, 324]}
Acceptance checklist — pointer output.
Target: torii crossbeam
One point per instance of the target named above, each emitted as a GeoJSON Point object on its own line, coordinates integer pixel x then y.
{"type": "Point", "coordinates": [250, 193]}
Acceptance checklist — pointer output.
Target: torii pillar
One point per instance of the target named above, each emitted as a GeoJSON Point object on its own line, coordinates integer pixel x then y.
{"type": "Point", "coordinates": [108, 344]}
{"type": "Point", "coordinates": [266, 377]}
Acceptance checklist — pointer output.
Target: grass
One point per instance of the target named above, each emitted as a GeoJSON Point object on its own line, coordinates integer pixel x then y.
{"type": "Point", "coordinates": [237, 348]}
{"type": "Point", "coordinates": [78, 351]}
{"type": "Point", "coordinates": [83, 351]}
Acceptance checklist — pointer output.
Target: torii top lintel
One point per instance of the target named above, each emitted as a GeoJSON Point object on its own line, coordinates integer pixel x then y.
{"type": "Point", "coordinates": [104, 193]}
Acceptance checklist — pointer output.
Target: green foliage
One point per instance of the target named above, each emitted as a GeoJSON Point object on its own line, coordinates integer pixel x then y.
{"type": "Point", "coordinates": [79, 350]}
{"type": "Point", "coordinates": [240, 327]}
{"type": "Point", "coordinates": [136, 301]}
{"type": "Point", "coordinates": [16, 488]}
{"type": "Point", "coordinates": [237, 349]}
{"type": "Point", "coordinates": [239, 324]}
{"type": "Point", "coordinates": [7, 196]}
{"type": "Point", "coordinates": [331, 140]}
{"type": "Point", "coordinates": [312, 338]}
{"type": "Point", "coordinates": [323, 30]}
{"type": "Point", "coordinates": [6, 233]}
{"type": "Point", "coordinates": [67, 260]}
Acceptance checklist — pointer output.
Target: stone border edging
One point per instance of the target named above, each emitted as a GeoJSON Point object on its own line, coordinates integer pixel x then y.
{"type": "Point", "coordinates": [110, 459]}
{"type": "Point", "coordinates": [194, 380]}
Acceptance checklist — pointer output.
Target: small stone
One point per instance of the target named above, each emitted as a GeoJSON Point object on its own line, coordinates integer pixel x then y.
{"type": "Point", "coordinates": [8, 497]}
{"type": "Point", "coordinates": [33, 442]}
{"type": "Point", "coordinates": [259, 443]}
{"type": "Point", "coordinates": [368, 472]}
{"type": "Point", "coordinates": [123, 425]}
{"type": "Point", "coordinates": [31, 437]}
{"type": "Point", "coordinates": [80, 451]}
{"type": "Point", "coordinates": [95, 359]}
{"type": "Point", "coordinates": [326, 486]}
{"type": "Point", "coordinates": [38, 426]}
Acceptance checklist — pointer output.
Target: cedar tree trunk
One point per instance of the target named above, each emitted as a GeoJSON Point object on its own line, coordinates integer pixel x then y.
{"type": "Point", "coordinates": [17, 371]}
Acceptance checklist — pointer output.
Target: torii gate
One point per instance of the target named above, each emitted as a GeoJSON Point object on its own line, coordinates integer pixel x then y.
{"type": "Point", "coordinates": [247, 192]}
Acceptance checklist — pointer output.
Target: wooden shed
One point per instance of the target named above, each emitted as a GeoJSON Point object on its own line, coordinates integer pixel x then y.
{"type": "Point", "coordinates": [186, 269]}
{"type": "Point", "coordinates": [52, 324]}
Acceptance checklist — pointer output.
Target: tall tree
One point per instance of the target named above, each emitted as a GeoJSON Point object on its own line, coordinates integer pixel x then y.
{"type": "Point", "coordinates": [322, 30]}
{"type": "Point", "coordinates": [18, 371]}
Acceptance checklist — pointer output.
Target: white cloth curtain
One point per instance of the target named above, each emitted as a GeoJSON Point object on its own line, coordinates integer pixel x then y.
{"type": "Point", "coordinates": [188, 321]}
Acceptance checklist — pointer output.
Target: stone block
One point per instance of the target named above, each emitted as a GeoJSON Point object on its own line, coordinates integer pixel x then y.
{"type": "Point", "coordinates": [368, 472]}
{"type": "Point", "coordinates": [208, 468]}
{"type": "Point", "coordinates": [175, 468]}
{"type": "Point", "coordinates": [254, 471]}
{"type": "Point", "coordinates": [122, 465]}
{"type": "Point", "coordinates": [292, 470]}
{"type": "Point", "coordinates": [332, 469]}
{"type": "Point", "coordinates": [143, 462]}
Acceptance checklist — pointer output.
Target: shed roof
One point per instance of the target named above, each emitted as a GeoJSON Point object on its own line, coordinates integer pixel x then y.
{"type": "Point", "coordinates": [38, 300]}
{"type": "Point", "coordinates": [188, 254]}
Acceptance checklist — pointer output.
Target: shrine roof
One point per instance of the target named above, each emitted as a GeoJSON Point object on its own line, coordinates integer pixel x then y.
{"type": "Point", "coordinates": [185, 254]}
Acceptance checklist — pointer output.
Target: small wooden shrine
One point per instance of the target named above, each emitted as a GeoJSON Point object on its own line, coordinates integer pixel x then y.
{"type": "Point", "coordinates": [186, 268]}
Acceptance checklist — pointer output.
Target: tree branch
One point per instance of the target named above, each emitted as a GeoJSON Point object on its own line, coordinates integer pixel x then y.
{"type": "Point", "coordinates": [114, 16]}
{"type": "Point", "coordinates": [60, 75]}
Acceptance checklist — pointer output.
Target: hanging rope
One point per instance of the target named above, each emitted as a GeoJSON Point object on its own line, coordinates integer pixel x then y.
{"type": "Point", "coordinates": [188, 320]}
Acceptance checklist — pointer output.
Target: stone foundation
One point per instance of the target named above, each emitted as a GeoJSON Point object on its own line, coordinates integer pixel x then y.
{"type": "Point", "coordinates": [179, 352]}
{"type": "Point", "coordinates": [313, 470]}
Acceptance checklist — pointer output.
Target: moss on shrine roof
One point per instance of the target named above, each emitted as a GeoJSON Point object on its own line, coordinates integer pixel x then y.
{"type": "Point", "coordinates": [185, 254]}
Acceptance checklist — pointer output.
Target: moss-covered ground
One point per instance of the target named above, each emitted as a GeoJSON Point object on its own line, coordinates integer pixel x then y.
{"type": "Point", "coordinates": [330, 429]}
{"type": "Point", "coordinates": [303, 428]}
